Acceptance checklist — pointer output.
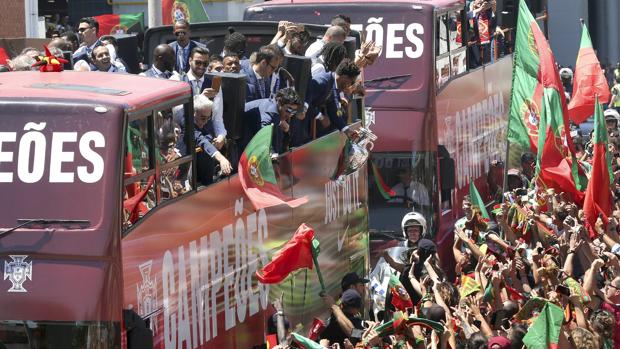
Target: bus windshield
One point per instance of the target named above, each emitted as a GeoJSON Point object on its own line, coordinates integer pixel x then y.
{"type": "Point", "coordinates": [51, 155]}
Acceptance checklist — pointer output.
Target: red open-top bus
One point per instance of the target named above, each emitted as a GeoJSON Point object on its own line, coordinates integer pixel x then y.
{"type": "Point", "coordinates": [440, 123]}
{"type": "Point", "coordinates": [111, 228]}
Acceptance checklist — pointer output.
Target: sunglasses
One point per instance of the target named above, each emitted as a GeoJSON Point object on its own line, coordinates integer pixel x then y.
{"type": "Point", "coordinates": [180, 33]}
{"type": "Point", "coordinates": [200, 63]}
{"type": "Point", "coordinates": [272, 67]}
{"type": "Point", "coordinates": [81, 30]}
{"type": "Point", "coordinates": [292, 111]}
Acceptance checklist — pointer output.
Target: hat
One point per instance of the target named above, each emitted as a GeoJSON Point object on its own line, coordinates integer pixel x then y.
{"type": "Point", "coordinates": [351, 279]}
{"type": "Point", "coordinates": [566, 73]}
{"type": "Point", "coordinates": [350, 298]}
{"type": "Point", "coordinates": [611, 114]}
{"type": "Point", "coordinates": [501, 341]}
{"type": "Point", "coordinates": [427, 245]}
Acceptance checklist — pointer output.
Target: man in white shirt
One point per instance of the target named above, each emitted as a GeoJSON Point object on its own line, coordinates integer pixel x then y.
{"type": "Point", "coordinates": [88, 30]}
{"type": "Point", "coordinates": [99, 61]}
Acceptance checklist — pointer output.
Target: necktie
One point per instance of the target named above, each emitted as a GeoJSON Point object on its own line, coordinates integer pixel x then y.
{"type": "Point", "coordinates": [166, 74]}
{"type": "Point", "coordinates": [181, 59]}
{"type": "Point", "coordinates": [197, 86]}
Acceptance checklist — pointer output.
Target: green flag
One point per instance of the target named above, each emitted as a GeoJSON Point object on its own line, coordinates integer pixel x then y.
{"type": "Point", "coordinates": [306, 343]}
{"type": "Point", "coordinates": [476, 200]}
{"type": "Point", "coordinates": [545, 331]}
{"type": "Point", "coordinates": [526, 90]}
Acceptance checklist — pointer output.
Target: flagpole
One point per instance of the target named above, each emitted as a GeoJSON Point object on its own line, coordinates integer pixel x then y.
{"type": "Point", "coordinates": [315, 258]}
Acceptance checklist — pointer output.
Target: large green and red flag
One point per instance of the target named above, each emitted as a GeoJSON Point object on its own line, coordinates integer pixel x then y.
{"type": "Point", "coordinates": [589, 82]}
{"type": "Point", "coordinates": [297, 253]}
{"type": "Point", "coordinates": [476, 200]}
{"type": "Point", "coordinates": [544, 333]}
{"type": "Point", "coordinates": [120, 23]}
{"type": "Point", "coordinates": [191, 11]}
{"type": "Point", "coordinates": [384, 189]}
{"type": "Point", "coordinates": [306, 343]}
{"type": "Point", "coordinates": [598, 200]}
{"type": "Point", "coordinates": [557, 166]}
{"type": "Point", "coordinates": [526, 90]}
{"type": "Point", "coordinates": [257, 176]}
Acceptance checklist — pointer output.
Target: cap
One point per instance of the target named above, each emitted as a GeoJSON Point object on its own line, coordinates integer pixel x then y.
{"type": "Point", "coordinates": [427, 245]}
{"type": "Point", "coordinates": [351, 279]}
{"type": "Point", "coordinates": [611, 114]}
{"type": "Point", "coordinates": [351, 298]}
{"type": "Point", "coordinates": [499, 342]}
{"type": "Point", "coordinates": [566, 73]}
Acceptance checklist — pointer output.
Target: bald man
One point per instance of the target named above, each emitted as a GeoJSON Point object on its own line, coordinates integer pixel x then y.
{"type": "Point", "coordinates": [163, 63]}
{"type": "Point", "coordinates": [332, 34]}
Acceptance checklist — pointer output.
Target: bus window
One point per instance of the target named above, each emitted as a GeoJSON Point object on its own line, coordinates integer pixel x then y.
{"type": "Point", "coordinates": [458, 51]}
{"type": "Point", "coordinates": [174, 179]}
{"type": "Point", "coordinates": [442, 62]}
{"type": "Point", "coordinates": [136, 148]}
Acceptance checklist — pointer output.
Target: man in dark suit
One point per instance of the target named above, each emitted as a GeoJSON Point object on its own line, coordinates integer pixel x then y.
{"type": "Point", "coordinates": [195, 77]}
{"type": "Point", "coordinates": [323, 97]}
{"type": "Point", "coordinates": [183, 46]}
{"type": "Point", "coordinates": [163, 63]}
{"type": "Point", "coordinates": [259, 70]}
{"type": "Point", "coordinates": [279, 112]}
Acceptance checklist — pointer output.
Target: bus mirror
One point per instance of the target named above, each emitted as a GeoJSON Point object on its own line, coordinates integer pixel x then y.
{"type": "Point", "coordinates": [139, 335]}
{"type": "Point", "coordinates": [233, 93]}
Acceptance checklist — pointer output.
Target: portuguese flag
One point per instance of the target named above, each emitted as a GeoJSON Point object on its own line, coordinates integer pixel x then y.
{"type": "Point", "coordinates": [545, 331]}
{"type": "Point", "coordinates": [589, 82]}
{"type": "Point", "coordinates": [120, 23]}
{"type": "Point", "coordinates": [400, 297]}
{"type": "Point", "coordinates": [257, 176]}
{"type": "Point", "coordinates": [526, 88]}
{"type": "Point", "coordinates": [557, 166]}
{"type": "Point", "coordinates": [598, 200]}
{"type": "Point", "coordinates": [476, 200]}
{"type": "Point", "coordinates": [191, 11]}
{"type": "Point", "coordinates": [297, 253]}
{"type": "Point", "coordinates": [384, 189]}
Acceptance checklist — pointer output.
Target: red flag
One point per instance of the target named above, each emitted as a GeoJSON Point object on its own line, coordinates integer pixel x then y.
{"type": "Point", "coordinates": [557, 167]}
{"type": "Point", "coordinates": [296, 254]}
{"type": "Point", "coordinates": [589, 82]}
{"type": "Point", "coordinates": [598, 199]}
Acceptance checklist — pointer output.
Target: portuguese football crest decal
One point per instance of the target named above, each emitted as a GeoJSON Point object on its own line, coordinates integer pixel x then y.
{"type": "Point", "coordinates": [254, 172]}
{"type": "Point", "coordinates": [531, 116]}
{"type": "Point", "coordinates": [180, 12]}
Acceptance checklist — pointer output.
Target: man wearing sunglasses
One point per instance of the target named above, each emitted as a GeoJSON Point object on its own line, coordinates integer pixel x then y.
{"type": "Point", "coordinates": [259, 70]}
{"type": "Point", "coordinates": [88, 30]}
{"type": "Point", "coordinates": [278, 112]}
{"type": "Point", "coordinates": [183, 46]}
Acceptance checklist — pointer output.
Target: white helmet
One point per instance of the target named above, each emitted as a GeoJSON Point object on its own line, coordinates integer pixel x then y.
{"type": "Point", "coordinates": [413, 218]}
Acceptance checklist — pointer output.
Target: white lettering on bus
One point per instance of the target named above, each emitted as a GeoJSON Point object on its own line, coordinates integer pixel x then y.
{"type": "Point", "coordinates": [32, 148]}
{"type": "Point", "coordinates": [480, 137]}
{"type": "Point", "coordinates": [211, 271]}
{"type": "Point", "coordinates": [394, 37]}
{"type": "Point", "coordinates": [341, 197]}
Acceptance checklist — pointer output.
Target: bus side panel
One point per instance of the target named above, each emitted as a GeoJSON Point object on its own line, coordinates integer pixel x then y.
{"type": "Point", "coordinates": [472, 117]}
{"type": "Point", "coordinates": [73, 272]}
{"type": "Point", "coordinates": [193, 262]}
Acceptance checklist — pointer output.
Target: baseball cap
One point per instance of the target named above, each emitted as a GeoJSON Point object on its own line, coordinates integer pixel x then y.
{"type": "Point", "coordinates": [500, 342]}
{"type": "Point", "coordinates": [352, 279]}
{"type": "Point", "coordinates": [351, 298]}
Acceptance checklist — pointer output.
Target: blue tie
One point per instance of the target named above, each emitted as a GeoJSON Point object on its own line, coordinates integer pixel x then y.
{"type": "Point", "coordinates": [261, 87]}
